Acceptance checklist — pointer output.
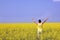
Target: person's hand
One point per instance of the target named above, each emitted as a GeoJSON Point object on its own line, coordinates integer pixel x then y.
{"type": "Point", "coordinates": [46, 18]}
{"type": "Point", "coordinates": [32, 18]}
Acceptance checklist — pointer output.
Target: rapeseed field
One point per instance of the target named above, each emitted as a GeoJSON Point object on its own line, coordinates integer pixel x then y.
{"type": "Point", "coordinates": [28, 31]}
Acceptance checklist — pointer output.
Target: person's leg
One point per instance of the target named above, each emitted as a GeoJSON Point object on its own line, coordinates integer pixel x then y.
{"type": "Point", "coordinates": [37, 34]}
{"type": "Point", "coordinates": [40, 33]}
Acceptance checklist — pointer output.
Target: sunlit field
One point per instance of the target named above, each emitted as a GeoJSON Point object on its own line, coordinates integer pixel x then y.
{"type": "Point", "coordinates": [28, 31]}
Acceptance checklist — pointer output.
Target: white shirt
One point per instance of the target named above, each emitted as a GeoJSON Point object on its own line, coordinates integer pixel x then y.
{"type": "Point", "coordinates": [39, 25]}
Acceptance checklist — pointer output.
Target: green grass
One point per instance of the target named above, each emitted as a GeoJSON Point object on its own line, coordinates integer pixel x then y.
{"type": "Point", "coordinates": [28, 31]}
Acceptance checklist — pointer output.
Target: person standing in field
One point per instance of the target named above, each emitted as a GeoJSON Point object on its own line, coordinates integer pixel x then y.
{"type": "Point", "coordinates": [39, 25]}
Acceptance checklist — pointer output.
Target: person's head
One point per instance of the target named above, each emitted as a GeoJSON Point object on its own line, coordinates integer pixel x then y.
{"type": "Point", "coordinates": [39, 21]}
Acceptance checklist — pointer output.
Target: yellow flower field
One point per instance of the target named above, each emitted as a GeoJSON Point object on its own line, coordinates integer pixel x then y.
{"type": "Point", "coordinates": [28, 31]}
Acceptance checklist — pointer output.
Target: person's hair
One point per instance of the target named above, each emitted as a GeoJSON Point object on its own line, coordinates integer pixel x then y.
{"type": "Point", "coordinates": [39, 21]}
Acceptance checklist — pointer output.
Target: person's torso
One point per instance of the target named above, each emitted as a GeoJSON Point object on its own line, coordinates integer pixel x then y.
{"type": "Point", "coordinates": [39, 25]}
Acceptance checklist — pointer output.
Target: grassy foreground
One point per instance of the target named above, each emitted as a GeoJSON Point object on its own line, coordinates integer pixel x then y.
{"type": "Point", "coordinates": [27, 31]}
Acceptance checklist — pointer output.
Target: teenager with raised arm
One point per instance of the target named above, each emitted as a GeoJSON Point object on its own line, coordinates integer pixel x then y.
{"type": "Point", "coordinates": [39, 25]}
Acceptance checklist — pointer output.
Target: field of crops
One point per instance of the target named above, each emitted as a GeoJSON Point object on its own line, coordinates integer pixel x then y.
{"type": "Point", "coordinates": [28, 31]}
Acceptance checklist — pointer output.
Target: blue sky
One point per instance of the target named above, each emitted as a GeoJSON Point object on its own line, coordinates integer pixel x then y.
{"type": "Point", "coordinates": [25, 10]}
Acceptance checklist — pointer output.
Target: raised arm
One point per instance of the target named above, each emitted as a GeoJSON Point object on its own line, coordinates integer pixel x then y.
{"type": "Point", "coordinates": [34, 21]}
{"type": "Point", "coordinates": [44, 20]}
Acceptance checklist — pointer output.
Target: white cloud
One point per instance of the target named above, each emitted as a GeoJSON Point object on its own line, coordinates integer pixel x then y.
{"type": "Point", "coordinates": [56, 0]}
